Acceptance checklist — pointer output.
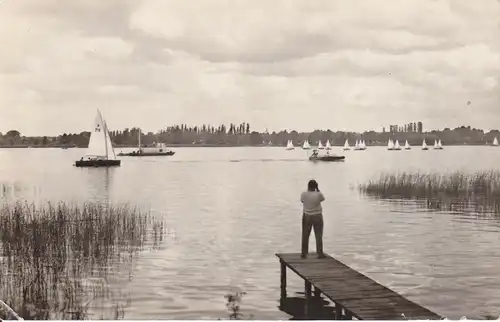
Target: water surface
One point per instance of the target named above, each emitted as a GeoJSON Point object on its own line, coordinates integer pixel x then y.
{"type": "Point", "coordinates": [229, 210]}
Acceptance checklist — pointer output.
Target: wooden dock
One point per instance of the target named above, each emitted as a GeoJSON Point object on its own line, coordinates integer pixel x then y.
{"type": "Point", "coordinates": [353, 294]}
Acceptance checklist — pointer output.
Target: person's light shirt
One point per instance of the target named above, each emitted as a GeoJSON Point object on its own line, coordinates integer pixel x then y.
{"type": "Point", "coordinates": [311, 201]}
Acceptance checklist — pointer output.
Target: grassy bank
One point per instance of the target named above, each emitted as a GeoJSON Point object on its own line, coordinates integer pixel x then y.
{"type": "Point", "coordinates": [478, 191]}
{"type": "Point", "coordinates": [55, 260]}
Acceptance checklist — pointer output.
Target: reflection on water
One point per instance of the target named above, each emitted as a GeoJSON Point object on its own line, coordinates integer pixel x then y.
{"type": "Point", "coordinates": [320, 309]}
{"type": "Point", "coordinates": [230, 218]}
{"type": "Point", "coordinates": [99, 183]}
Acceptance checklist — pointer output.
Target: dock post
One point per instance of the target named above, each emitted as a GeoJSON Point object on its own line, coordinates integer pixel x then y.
{"type": "Point", "coordinates": [317, 293]}
{"type": "Point", "coordinates": [308, 294]}
{"type": "Point", "coordinates": [283, 283]}
{"type": "Point", "coordinates": [338, 312]}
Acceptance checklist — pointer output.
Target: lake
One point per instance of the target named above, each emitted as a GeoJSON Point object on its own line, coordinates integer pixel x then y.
{"type": "Point", "coordinates": [229, 210]}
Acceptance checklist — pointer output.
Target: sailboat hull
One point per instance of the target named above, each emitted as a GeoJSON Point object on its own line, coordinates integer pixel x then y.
{"type": "Point", "coordinates": [97, 163]}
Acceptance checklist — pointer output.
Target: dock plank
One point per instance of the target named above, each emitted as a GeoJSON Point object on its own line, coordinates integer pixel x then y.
{"type": "Point", "coordinates": [361, 296]}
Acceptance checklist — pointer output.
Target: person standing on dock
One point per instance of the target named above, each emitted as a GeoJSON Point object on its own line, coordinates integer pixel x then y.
{"type": "Point", "coordinates": [312, 217]}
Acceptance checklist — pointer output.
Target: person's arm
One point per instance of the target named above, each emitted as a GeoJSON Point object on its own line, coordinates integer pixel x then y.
{"type": "Point", "coordinates": [302, 197]}
{"type": "Point", "coordinates": [321, 196]}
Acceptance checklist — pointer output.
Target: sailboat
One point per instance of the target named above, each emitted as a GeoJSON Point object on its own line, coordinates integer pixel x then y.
{"type": "Point", "coordinates": [437, 145]}
{"type": "Point", "coordinates": [407, 145]}
{"type": "Point", "coordinates": [356, 146]}
{"type": "Point", "coordinates": [306, 145]}
{"type": "Point", "coordinates": [100, 152]}
{"type": "Point", "coordinates": [328, 145]}
{"type": "Point", "coordinates": [424, 145]}
{"type": "Point", "coordinates": [289, 145]}
{"type": "Point", "coordinates": [362, 145]}
{"type": "Point", "coordinates": [158, 149]}
{"type": "Point", "coordinates": [320, 146]}
{"type": "Point", "coordinates": [390, 145]}
{"type": "Point", "coordinates": [495, 142]}
{"type": "Point", "coordinates": [397, 147]}
{"type": "Point", "coordinates": [346, 145]}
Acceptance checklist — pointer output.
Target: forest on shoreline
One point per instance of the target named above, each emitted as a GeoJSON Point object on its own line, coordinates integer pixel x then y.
{"type": "Point", "coordinates": [241, 135]}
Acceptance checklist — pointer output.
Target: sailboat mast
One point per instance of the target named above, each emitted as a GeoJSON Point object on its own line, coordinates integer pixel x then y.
{"type": "Point", "coordinates": [139, 140]}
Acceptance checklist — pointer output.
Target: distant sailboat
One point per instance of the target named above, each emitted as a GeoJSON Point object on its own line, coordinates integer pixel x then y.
{"type": "Point", "coordinates": [346, 145]}
{"type": "Point", "coordinates": [320, 146]}
{"type": "Point", "coordinates": [424, 145]}
{"type": "Point", "coordinates": [390, 145]}
{"type": "Point", "coordinates": [397, 146]}
{"type": "Point", "coordinates": [407, 145]}
{"type": "Point", "coordinates": [362, 145]}
{"type": "Point", "coordinates": [289, 145]}
{"type": "Point", "coordinates": [356, 146]}
{"type": "Point", "coordinates": [495, 142]}
{"type": "Point", "coordinates": [328, 145]}
{"type": "Point", "coordinates": [438, 145]}
{"type": "Point", "coordinates": [100, 152]}
{"type": "Point", "coordinates": [306, 145]}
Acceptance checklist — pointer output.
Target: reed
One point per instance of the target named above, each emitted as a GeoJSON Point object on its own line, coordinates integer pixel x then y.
{"type": "Point", "coordinates": [55, 259]}
{"type": "Point", "coordinates": [479, 191]}
{"type": "Point", "coordinates": [233, 305]}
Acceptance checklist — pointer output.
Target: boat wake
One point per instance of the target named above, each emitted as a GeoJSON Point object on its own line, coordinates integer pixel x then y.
{"type": "Point", "coordinates": [238, 160]}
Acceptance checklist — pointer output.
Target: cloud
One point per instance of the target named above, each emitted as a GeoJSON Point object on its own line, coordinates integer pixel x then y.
{"type": "Point", "coordinates": [279, 64]}
{"type": "Point", "coordinates": [266, 31]}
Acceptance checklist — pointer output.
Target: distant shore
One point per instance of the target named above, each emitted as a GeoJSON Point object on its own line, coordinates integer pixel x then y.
{"type": "Point", "coordinates": [202, 146]}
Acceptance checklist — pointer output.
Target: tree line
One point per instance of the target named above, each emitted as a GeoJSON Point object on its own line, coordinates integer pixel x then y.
{"type": "Point", "coordinates": [241, 135]}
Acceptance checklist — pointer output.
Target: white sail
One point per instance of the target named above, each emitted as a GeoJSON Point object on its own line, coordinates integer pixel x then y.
{"type": "Point", "coordinates": [289, 145]}
{"type": "Point", "coordinates": [320, 146]}
{"type": "Point", "coordinates": [306, 145]}
{"type": "Point", "coordinates": [139, 140]}
{"type": "Point", "coordinates": [362, 145]}
{"type": "Point", "coordinates": [390, 145]}
{"type": "Point", "coordinates": [110, 152]}
{"type": "Point", "coordinates": [440, 145]}
{"type": "Point", "coordinates": [328, 145]}
{"type": "Point", "coordinates": [397, 146]}
{"type": "Point", "coordinates": [346, 145]}
{"type": "Point", "coordinates": [424, 144]}
{"type": "Point", "coordinates": [435, 144]}
{"type": "Point", "coordinates": [407, 145]}
{"type": "Point", "coordinates": [97, 142]}
{"type": "Point", "coordinates": [495, 141]}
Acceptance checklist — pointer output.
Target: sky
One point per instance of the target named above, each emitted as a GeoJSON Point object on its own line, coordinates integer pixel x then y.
{"type": "Point", "coordinates": [303, 64]}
